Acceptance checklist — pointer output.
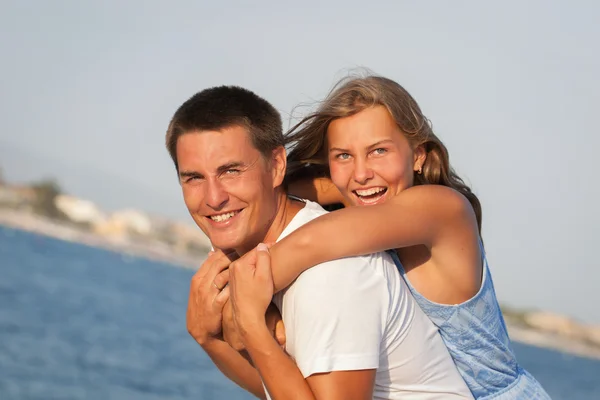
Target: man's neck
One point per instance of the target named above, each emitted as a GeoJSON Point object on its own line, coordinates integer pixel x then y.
{"type": "Point", "coordinates": [286, 211]}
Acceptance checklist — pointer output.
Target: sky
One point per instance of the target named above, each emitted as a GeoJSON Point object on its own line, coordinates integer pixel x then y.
{"type": "Point", "coordinates": [87, 90]}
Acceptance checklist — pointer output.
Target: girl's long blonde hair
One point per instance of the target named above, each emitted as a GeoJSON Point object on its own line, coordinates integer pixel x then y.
{"type": "Point", "coordinates": [307, 139]}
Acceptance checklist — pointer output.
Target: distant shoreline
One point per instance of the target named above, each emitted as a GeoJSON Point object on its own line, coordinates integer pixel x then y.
{"type": "Point", "coordinates": [537, 338]}
{"type": "Point", "coordinates": [154, 252]}
{"type": "Point", "coordinates": [518, 331]}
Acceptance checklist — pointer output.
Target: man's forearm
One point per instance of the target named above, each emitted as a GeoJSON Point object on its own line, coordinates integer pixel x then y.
{"type": "Point", "coordinates": [279, 372]}
{"type": "Point", "coordinates": [234, 366]}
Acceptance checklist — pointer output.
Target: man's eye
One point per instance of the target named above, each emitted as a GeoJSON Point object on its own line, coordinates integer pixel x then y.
{"type": "Point", "coordinates": [232, 171]}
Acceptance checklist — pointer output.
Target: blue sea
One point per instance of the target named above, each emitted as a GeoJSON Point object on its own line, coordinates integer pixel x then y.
{"type": "Point", "coordinates": [78, 322]}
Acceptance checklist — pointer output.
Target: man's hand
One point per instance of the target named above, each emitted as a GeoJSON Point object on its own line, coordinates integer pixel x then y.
{"type": "Point", "coordinates": [275, 324]}
{"type": "Point", "coordinates": [206, 300]}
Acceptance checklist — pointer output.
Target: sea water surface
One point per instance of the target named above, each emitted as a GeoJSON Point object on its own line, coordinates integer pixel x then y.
{"type": "Point", "coordinates": [78, 322]}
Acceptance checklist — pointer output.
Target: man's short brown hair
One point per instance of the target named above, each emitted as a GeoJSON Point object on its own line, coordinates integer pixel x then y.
{"type": "Point", "coordinates": [222, 107]}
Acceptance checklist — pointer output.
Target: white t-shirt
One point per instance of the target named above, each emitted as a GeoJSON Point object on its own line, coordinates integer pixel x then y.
{"type": "Point", "coordinates": [357, 313]}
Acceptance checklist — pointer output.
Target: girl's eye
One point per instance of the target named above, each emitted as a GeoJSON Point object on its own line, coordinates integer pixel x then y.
{"type": "Point", "coordinates": [343, 156]}
{"type": "Point", "coordinates": [379, 151]}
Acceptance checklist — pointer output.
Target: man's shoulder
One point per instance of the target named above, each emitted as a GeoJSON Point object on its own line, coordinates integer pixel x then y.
{"type": "Point", "coordinates": [374, 263]}
{"type": "Point", "coordinates": [307, 213]}
{"type": "Point", "coordinates": [312, 210]}
{"type": "Point", "coordinates": [351, 276]}
{"type": "Point", "coordinates": [334, 290]}
{"type": "Point", "coordinates": [340, 274]}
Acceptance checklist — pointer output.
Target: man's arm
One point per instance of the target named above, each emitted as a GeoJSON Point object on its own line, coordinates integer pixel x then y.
{"type": "Point", "coordinates": [234, 366]}
{"type": "Point", "coordinates": [204, 318]}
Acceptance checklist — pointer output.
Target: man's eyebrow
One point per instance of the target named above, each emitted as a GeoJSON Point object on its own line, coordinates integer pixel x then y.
{"type": "Point", "coordinates": [221, 169]}
{"type": "Point", "coordinates": [231, 165]}
{"type": "Point", "coordinates": [188, 174]}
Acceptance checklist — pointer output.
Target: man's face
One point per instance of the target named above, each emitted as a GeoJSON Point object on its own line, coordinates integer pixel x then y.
{"type": "Point", "coordinates": [228, 186]}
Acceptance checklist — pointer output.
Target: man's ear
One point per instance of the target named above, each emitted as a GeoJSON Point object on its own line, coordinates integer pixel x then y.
{"type": "Point", "coordinates": [278, 165]}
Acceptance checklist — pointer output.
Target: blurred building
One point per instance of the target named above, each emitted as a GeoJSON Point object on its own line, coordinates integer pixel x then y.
{"type": "Point", "coordinates": [79, 210]}
{"type": "Point", "coordinates": [13, 196]}
{"type": "Point", "coordinates": [124, 223]}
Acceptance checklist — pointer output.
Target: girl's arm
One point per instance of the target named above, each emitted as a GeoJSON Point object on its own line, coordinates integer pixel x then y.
{"type": "Point", "coordinates": [319, 190]}
{"type": "Point", "coordinates": [251, 289]}
{"type": "Point", "coordinates": [419, 215]}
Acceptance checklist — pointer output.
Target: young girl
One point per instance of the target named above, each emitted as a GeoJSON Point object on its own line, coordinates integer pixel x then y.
{"type": "Point", "coordinates": [369, 145]}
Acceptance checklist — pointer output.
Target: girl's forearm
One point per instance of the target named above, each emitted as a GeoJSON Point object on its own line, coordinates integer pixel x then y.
{"type": "Point", "coordinates": [335, 235]}
{"type": "Point", "coordinates": [352, 231]}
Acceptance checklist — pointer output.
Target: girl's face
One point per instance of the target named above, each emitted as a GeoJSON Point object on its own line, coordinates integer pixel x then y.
{"type": "Point", "coordinates": [370, 159]}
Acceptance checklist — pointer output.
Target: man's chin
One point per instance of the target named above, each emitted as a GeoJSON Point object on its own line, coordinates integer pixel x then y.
{"type": "Point", "coordinates": [225, 247]}
{"type": "Point", "coordinates": [221, 239]}
{"type": "Point", "coordinates": [226, 244]}
{"type": "Point", "coordinates": [229, 252]}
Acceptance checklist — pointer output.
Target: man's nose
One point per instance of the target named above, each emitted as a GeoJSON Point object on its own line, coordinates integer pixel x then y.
{"type": "Point", "coordinates": [362, 171]}
{"type": "Point", "coordinates": [216, 195]}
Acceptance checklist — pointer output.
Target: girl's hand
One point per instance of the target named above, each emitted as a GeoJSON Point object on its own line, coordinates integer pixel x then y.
{"type": "Point", "coordinates": [251, 285]}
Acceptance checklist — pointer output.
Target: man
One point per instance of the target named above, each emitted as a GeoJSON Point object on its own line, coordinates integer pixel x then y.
{"type": "Point", "coordinates": [353, 330]}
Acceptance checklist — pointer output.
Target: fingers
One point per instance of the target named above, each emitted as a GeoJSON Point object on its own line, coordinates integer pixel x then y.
{"type": "Point", "coordinates": [222, 297]}
{"type": "Point", "coordinates": [206, 285]}
{"type": "Point", "coordinates": [195, 284]}
{"type": "Point", "coordinates": [241, 268]}
{"type": "Point", "coordinates": [263, 262]}
{"type": "Point", "coordinates": [275, 324]}
{"type": "Point", "coordinates": [213, 265]}
{"type": "Point", "coordinates": [280, 333]}
{"type": "Point", "coordinates": [203, 270]}
{"type": "Point", "coordinates": [255, 263]}
{"type": "Point", "coordinates": [221, 279]}
{"type": "Point", "coordinates": [263, 247]}
{"type": "Point", "coordinates": [231, 254]}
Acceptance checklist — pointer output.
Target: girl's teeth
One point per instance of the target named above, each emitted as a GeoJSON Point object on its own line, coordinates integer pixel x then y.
{"type": "Point", "coordinates": [369, 192]}
{"type": "Point", "coordinates": [369, 200]}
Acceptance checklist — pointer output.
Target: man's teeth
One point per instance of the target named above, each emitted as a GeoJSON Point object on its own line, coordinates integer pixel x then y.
{"type": "Point", "coordinates": [222, 217]}
{"type": "Point", "coordinates": [369, 192]}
